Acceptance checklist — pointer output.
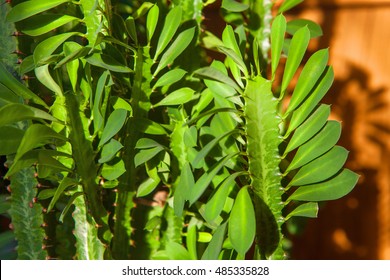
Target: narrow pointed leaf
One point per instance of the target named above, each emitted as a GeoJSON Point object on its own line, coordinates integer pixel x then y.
{"type": "Point", "coordinates": [186, 182]}
{"type": "Point", "coordinates": [308, 210]}
{"type": "Point", "coordinates": [335, 188]}
{"type": "Point", "coordinates": [288, 4]}
{"type": "Point", "coordinates": [309, 76]}
{"type": "Point", "coordinates": [175, 49]}
{"type": "Point", "coordinates": [147, 186]}
{"type": "Point", "coordinates": [45, 48]}
{"type": "Point", "coordinates": [214, 206]}
{"type": "Point", "coordinates": [15, 112]}
{"type": "Point", "coordinates": [204, 181]}
{"type": "Point", "coordinates": [151, 21]}
{"type": "Point", "coordinates": [43, 75]}
{"type": "Point", "coordinates": [180, 96]}
{"type": "Point", "coordinates": [45, 23]}
{"type": "Point", "coordinates": [146, 143]}
{"type": "Point", "coordinates": [10, 138]}
{"type": "Point", "coordinates": [234, 6]}
{"type": "Point", "coordinates": [309, 128]}
{"type": "Point", "coordinates": [107, 62]}
{"type": "Point", "coordinates": [144, 155]}
{"type": "Point", "coordinates": [191, 241]}
{"type": "Point", "coordinates": [300, 114]}
{"type": "Point", "coordinates": [114, 123]}
{"type": "Point", "coordinates": [214, 74]}
{"type": "Point", "coordinates": [278, 30]}
{"type": "Point", "coordinates": [65, 183]}
{"type": "Point", "coordinates": [109, 150]}
{"type": "Point", "coordinates": [297, 49]}
{"type": "Point", "coordinates": [242, 222]}
{"type": "Point", "coordinates": [236, 59]}
{"type": "Point", "coordinates": [30, 8]}
{"type": "Point", "coordinates": [318, 145]}
{"type": "Point", "coordinates": [171, 24]}
{"type": "Point", "coordinates": [170, 77]}
{"type": "Point", "coordinates": [206, 149]}
{"type": "Point", "coordinates": [9, 81]}
{"type": "Point", "coordinates": [112, 172]}
{"type": "Point", "coordinates": [215, 246]}
{"type": "Point", "coordinates": [295, 24]}
{"type": "Point", "coordinates": [321, 168]}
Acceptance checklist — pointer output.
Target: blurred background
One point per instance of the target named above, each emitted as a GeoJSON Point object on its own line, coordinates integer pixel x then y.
{"type": "Point", "coordinates": [358, 36]}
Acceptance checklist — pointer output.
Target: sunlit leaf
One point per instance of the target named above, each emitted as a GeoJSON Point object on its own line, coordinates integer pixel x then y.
{"type": "Point", "coordinates": [30, 8]}
{"type": "Point", "coordinates": [109, 150]}
{"type": "Point", "coordinates": [288, 4]}
{"type": "Point", "coordinates": [295, 24]}
{"type": "Point", "coordinates": [309, 210]}
{"type": "Point", "coordinates": [318, 145]}
{"type": "Point", "coordinates": [146, 154]}
{"type": "Point", "coordinates": [278, 30]}
{"type": "Point", "coordinates": [170, 77]}
{"type": "Point", "coordinates": [214, 248]}
{"type": "Point", "coordinates": [234, 6]}
{"type": "Point", "coordinates": [111, 172]}
{"type": "Point", "coordinates": [45, 23]}
{"type": "Point", "coordinates": [15, 112]}
{"type": "Point", "coordinates": [175, 251]}
{"type": "Point", "coordinates": [107, 62]}
{"type": "Point", "coordinates": [242, 222]}
{"type": "Point", "coordinates": [43, 75]}
{"type": "Point", "coordinates": [335, 188]}
{"type": "Point", "coordinates": [179, 96]}
{"type": "Point", "coordinates": [151, 21]}
{"type": "Point", "coordinates": [114, 124]}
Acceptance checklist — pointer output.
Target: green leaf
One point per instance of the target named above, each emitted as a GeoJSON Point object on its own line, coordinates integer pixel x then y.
{"type": "Point", "coordinates": [114, 123]}
{"type": "Point", "coordinates": [43, 75]}
{"type": "Point", "coordinates": [112, 172]}
{"type": "Point", "coordinates": [175, 49]}
{"type": "Point", "coordinates": [149, 127]}
{"type": "Point", "coordinates": [214, 206]}
{"type": "Point", "coordinates": [316, 146]}
{"type": "Point", "coordinates": [65, 183]}
{"type": "Point", "coordinates": [146, 143]}
{"type": "Point", "coordinates": [45, 48]}
{"type": "Point", "coordinates": [170, 77]}
{"type": "Point", "coordinates": [234, 6]}
{"type": "Point", "coordinates": [107, 62]}
{"type": "Point", "coordinates": [183, 188]}
{"type": "Point", "coordinates": [214, 74]}
{"type": "Point", "coordinates": [335, 188]}
{"type": "Point", "coordinates": [175, 251]}
{"type": "Point", "coordinates": [30, 8]}
{"type": "Point", "coordinates": [297, 49]}
{"type": "Point", "coordinates": [151, 21]}
{"type": "Point", "coordinates": [300, 114]}
{"type": "Point", "coordinates": [109, 150]}
{"type": "Point", "coordinates": [205, 180]}
{"type": "Point", "coordinates": [171, 24]}
{"type": "Point", "coordinates": [144, 155]}
{"type": "Point", "coordinates": [44, 23]}
{"type": "Point", "coordinates": [180, 96]}
{"type": "Point", "coordinates": [35, 136]}
{"type": "Point", "coordinates": [196, 163]}
{"type": "Point", "coordinates": [236, 59]}
{"type": "Point", "coordinates": [97, 101]}
{"type": "Point", "coordinates": [242, 222]}
{"type": "Point", "coordinates": [321, 168]}
{"type": "Point", "coordinates": [278, 30]}
{"type": "Point", "coordinates": [72, 66]}
{"type": "Point", "coordinates": [191, 238]}
{"type": "Point", "coordinates": [308, 129]}
{"type": "Point", "coordinates": [27, 65]}
{"type": "Point", "coordinates": [309, 76]}
{"type": "Point", "coordinates": [295, 24]}
{"type": "Point", "coordinates": [288, 4]}
{"type": "Point", "coordinates": [10, 139]}
{"type": "Point", "coordinates": [308, 210]}
{"type": "Point", "coordinates": [214, 248]}
{"type": "Point", "coordinates": [15, 112]}
{"type": "Point", "coordinates": [147, 186]}
{"type": "Point", "coordinates": [8, 81]}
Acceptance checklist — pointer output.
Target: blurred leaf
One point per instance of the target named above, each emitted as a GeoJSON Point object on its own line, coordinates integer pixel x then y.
{"type": "Point", "coordinates": [295, 24]}
{"type": "Point", "coordinates": [214, 248]}
{"type": "Point", "coordinates": [175, 251]}
{"type": "Point", "coordinates": [288, 4]}
{"type": "Point", "coordinates": [183, 189]}
{"type": "Point", "coordinates": [234, 6]}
